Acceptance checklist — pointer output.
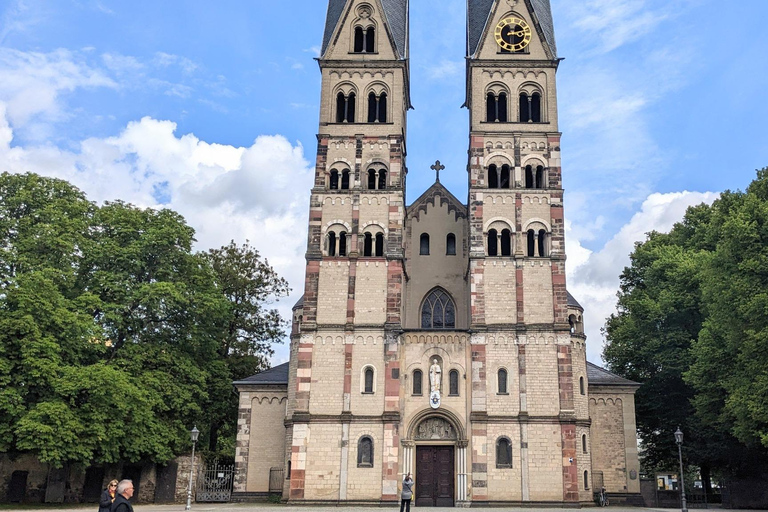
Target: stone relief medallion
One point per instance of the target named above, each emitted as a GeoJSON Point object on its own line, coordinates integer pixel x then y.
{"type": "Point", "coordinates": [434, 399]}
{"type": "Point", "coordinates": [435, 429]}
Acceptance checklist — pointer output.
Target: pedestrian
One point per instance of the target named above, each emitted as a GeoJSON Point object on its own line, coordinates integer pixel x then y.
{"type": "Point", "coordinates": [124, 493]}
{"type": "Point", "coordinates": [108, 496]}
{"type": "Point", "coordinates": [407, 493]}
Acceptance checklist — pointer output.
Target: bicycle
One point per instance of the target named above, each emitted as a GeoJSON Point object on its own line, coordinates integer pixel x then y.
{"type": "Point", "coordinates": [603, 498]}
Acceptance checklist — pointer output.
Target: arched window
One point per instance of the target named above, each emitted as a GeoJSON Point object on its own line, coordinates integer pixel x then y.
{"type": "Point", "coordinates": [504, 181]}
{"type": "Point", "coordinates": [370, 40]}
{"type": "Point", "coordinates": [345, 180]}
{"type": "Point", "coordinates": [288, 473]}
{"type": "Point", "coordinates": [377, 108]}
{"type": "Point", "coordinates": [424, 244]}
{"type": "Point", "coordinates": [506, 243]}
{"type": "Point", "coordinates": [525, 108]}
{"type": "Point", "coordinates": [345, 108]}
{"type": "Point", "coordinates": [536, 108]}
{"type": "Point", "coordinates": [502, 377]}
{"type": "Point", "coordinates": [583, 443]}
{"type": "Point", "coordinates": [383, 107]}
{"type": "Point", "coordinates": [496, 108]}
{"type": "Point", "coordinates": [543, 253]}
{"type": "Point", "coordinates": [493, 243]}
{"type": "Point", "coordinates": [529, 181]}
{"type": "Point", "coordinates": [453, 383]}
{"type": "Point", "coordinates": [342, 243]}
{"type": "Point", "coordinates": [581, 386]}
{"type": "Point", "coordinates": [530, 107]}
{"type": "Point", "coordinates": [359, 40]}
{"type": "Point", "coordinates": [368, 245]}
{"type": "Point", "coordinates": [368, 380]}
{"type": "Point", "coordinates": [493, 177]}
{"type": "Point", "coordinates": [531, 243]}
{"type": "Point", "coordinates": [417, 382]}
{"type": "Point", "coordinates": [586, 480]}
{"type": "Point", "coordinates": [334, 181]}
{"type": "Point", "coordinates": [450, 245]}
{"type": "Point", "coordinates": [331, 244]}
{"type": "Point", "coordinates": [365, 452]}
{"type": "Point", "coordinates": [438, 311]}
{"type": "Point", "coordinates": [503, 453]}
{"type": "Point", "coordinates": [382, 179]}
{"type": "Point", "coordinates": [540, 183]}
{"type": "Point", "coordinates": [379, 245]}
{"type": "Point", "coordinates": [371, 179]}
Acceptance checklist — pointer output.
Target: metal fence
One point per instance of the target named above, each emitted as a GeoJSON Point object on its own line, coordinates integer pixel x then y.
{"type": "Point", "coordinates": [214, 483]}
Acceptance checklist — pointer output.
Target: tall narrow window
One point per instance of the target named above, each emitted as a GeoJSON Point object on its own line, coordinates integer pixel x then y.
{"type": "Point", "coordinates": [583, 443]}
{"type": "Point", "coordinates": [493, 243]}
{"type": "Point", "coordinates": [334, 181]}
{"type": "Point", "coordinates": [540, 177]}
{"type": "Point", "coordinates": [453, 383]}
{"type": "Point", "coordinates": [373, 108]}
{"type": "Point", "coordinates": [542, 244]}
{"type": "Point", "coordinates": [359, 40]}
{"type": "Point", "coordinates": [371, 179]}
{"type": "Point", "coordinates": [529, 181]}
{"type": "Point", "coordinates": [531, 243]}
{"type": "Point", "coordinates": [525, 108]}
{"type": "Point", "coordinates": [331, 244]}
{"type": "Point", "coordinates": [450, 244]}
{"type": "Point", "coordinates": [493, 177]}
{"type": "Point", "coordinates": [383, 107]}
{"type": "Point", "coordinates": [365, 452]}
{"type": "Point", "coordinates": [288, 473]}
{"type": "Point", "coordinates": [368, 245]}
{"type": "Point", "coordinates": [438, 311]}
{"type": "Point", "coordinates": [502, 381]}
{"type": "Point", "coordinates": [490, 108]}
{"type": "Point", "coordinates": [342, 244]}
{"type": "Point", "coordinates": [370, 40]}
{"type": "Point", "coordinates": [351, 108]}
{"type": "Point", "coordinates": [581, 386]}
{"type": "Point", "coordinates": [504, 181]}
{"type": "Point", "coordinates": [368, 380]}
{"type": "Point", "coordinates": [345, 180]}
{"type": "Point", "coordinates": [503, 453]}
{"type": "Point", "coordinates": [586, 480]}
{"type": "Point", "coordinates": [341, 107]}
{"type": "Point", "coordinates": [536, 108]}
{"type": "Point", "coordinates": [506, 243]}
{"type": "Point", "coordinates": [424, 244]}
{"type": "Point", "coordinates": [496, 108]}
{"type": "Point", "coordinates": [417, 382]}
{"type": "Point", "coordinates": [502, 107]}
{"type": "Point", "coordinates": [379, 245]}
{"type": "Point", "coordinates": [382, 179]}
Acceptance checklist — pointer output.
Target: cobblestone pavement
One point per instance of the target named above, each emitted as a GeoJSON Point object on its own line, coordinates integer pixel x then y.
{"type": "Point", "coordinates": [263, 507]}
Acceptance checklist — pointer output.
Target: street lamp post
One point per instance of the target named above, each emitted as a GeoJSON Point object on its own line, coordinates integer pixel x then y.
{"type": "Point", "coordinates": [679, 441]}
{"type": "Point", "coordinates": [193, 434]}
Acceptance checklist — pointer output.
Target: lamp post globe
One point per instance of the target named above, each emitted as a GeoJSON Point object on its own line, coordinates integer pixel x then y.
{"type": "Point", "coordinates": [193, 435]}
{"type": "Point", "coordinates": [679, 442]}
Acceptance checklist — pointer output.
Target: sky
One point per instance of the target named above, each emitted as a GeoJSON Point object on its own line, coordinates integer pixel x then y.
{"type": "Point", "coordinates": [211, 109]}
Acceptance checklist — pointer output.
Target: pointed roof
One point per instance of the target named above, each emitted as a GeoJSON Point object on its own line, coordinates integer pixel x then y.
{"type": "Point", "coordinates": [395, 11]}
{"type": "Point", "coordinates": [428, 197]}
{"type": "Point", "coordinates": [276, 375]}
{"type": "Point", "coordinates": [572, 301]}
{"type": "Point", "coordinates": [601, 377]}
{"type": "Point", "coordinates": [479, 12]}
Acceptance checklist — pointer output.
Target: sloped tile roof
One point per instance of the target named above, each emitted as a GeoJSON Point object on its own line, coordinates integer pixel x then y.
{"type": "Point", "coordinates": [479, 11]}
{"type": "Point", "coordinates": [396, 12]}
{"type": "Point", "coordinates": [276, 375]}
{"type": "Point", "coordinates": [573, 302]}
{"type": "Point", "coordinates": [601, 377]}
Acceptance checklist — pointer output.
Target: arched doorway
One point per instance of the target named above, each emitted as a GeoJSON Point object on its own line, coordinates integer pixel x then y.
{"type": "Point", "coordinates": [435, 453]}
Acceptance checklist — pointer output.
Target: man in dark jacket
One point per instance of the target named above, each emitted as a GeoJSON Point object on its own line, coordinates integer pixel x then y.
{"type": "Point", "coordinates": [124, 493]}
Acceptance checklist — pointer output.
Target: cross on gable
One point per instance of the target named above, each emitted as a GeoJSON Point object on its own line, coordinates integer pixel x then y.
{"type": "Point", "coordinates": [437, 168]}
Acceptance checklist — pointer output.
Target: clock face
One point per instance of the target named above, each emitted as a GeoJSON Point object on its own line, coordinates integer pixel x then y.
{"type": "Point", "coordinates": [513, 34]}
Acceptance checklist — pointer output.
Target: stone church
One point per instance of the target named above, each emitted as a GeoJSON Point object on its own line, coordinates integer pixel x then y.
{"type": "Point", "coordinates": [437, 338]}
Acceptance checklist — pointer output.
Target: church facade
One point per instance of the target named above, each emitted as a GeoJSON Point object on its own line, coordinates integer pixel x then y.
{"type": "Point", "coordinates": [437, 338]}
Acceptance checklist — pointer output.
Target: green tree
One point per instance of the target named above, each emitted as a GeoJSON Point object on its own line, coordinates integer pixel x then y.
{"type": "Point", "coordinates": [250, 328]}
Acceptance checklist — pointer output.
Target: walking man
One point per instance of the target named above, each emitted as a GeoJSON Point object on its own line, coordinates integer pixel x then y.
{"type": "Point", "coordinates": [124, 493]}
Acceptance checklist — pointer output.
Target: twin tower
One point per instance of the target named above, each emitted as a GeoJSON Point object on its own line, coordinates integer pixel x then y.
{"type": "Point", "coordinates": [437, 338]}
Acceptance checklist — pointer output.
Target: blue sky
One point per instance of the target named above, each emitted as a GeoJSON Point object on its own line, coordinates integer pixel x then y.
{"type": "Point", "coordinates": [211, 108]}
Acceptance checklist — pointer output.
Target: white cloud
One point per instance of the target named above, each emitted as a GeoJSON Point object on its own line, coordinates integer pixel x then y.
{"type": "Point", "coordinates": [259, 192]}
{"type": "Point", "coordinates": [593, 277]}
{"type": "Point", "coordinates": [445, 69]}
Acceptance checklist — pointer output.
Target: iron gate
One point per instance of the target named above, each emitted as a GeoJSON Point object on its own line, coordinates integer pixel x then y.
{"type": "Point", "coordinates": [214, 483]}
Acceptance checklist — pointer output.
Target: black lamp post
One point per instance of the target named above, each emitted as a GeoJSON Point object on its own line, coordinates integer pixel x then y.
{"type": "Point", "coordinates": [193, 435]}
{"type": "Point", "coordinates": [679, 441]}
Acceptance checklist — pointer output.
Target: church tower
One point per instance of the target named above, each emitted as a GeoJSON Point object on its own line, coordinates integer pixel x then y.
{"type": "Point", "coordinates": [533, 364]}
{"type": "Point", "coordinates": [345, 360]}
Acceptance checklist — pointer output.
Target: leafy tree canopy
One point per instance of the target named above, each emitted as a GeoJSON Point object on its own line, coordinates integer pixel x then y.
{"type": "Point", "coordinates": [115, 337]}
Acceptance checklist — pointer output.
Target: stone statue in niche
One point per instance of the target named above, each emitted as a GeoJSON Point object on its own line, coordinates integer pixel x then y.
{"type": "Point", "coordinates": [435, 429]}
{"type": "Point", "coordinates": [435, 376]}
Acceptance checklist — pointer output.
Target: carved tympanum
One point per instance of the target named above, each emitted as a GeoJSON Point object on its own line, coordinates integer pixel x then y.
{"type": "Point", "coordinates": [435, 429]}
